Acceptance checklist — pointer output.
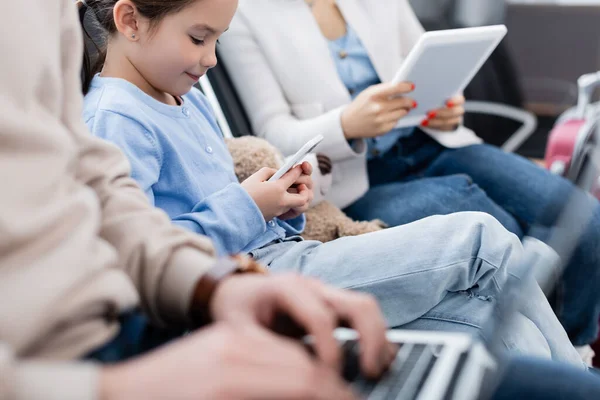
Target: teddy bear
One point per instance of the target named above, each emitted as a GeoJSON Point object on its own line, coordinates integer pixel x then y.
{"type": "Point", "coordinates": [324, 221]}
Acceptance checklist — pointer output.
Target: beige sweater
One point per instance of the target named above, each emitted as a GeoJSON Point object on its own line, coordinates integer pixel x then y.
{"type": "Point", "coordinates": [78, 240]}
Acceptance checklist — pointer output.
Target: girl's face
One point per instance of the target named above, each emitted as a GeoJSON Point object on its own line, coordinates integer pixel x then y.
{"type": "Point", "coordinates": [181, 48]}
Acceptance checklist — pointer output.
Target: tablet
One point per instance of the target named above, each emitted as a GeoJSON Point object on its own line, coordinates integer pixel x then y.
{"type": "Point", "coordinates": [300, 154]}
{"type": "Point", "coordinates": [442, 64]}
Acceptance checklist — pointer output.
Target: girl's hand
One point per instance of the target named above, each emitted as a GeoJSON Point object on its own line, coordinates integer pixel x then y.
{"type": "Point", "coordinates": [376, 110]}
{"type": "Point", "coordinates": [304, 184]}
{"type": "Point", "coordinates": [275, 199]}
{"type": "Point", "coordinates": [448, 118]}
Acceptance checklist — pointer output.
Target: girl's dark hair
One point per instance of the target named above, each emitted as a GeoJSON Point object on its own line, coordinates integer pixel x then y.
{"type": "Point", "coordinates": [101, 26]}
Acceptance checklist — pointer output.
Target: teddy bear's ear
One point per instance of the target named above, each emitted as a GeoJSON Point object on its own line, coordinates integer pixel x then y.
{"type": "Point", "coordinates": [325, 164]}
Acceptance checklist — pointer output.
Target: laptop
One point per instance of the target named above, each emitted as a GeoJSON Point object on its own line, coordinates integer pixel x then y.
{"type": "Point", "coordinates": [455, 366]}
{"type": "Point", "coordinates": [428, 366]}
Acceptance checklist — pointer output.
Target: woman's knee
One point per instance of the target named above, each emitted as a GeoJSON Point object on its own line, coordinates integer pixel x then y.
{"type": "Point", "coordinates": [462, 194]}
{"type": "Point", "coordinates": [466, 158]}
{"type": "Point", "coordinates": [468, 196]}
{"type": "Point", "coordinates": [450, 194]}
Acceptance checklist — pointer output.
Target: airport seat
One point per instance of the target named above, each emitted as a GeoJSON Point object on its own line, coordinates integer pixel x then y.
{"type": "Point", "coordinates": [228, 99]}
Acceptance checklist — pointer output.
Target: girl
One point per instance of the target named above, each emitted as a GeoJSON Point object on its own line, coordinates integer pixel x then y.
{"type": "Point", "coordinates": [440, 273]}
{"type": "Point", "coordinates": [316, 66]}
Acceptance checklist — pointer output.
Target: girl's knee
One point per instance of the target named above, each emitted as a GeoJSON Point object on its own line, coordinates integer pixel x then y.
{"type": "Point", "coordinates": [478, 219]}
{"type": "Point", "coordinates": [492, 225]}
{"type": "Point", "coordinates": [486, 229]}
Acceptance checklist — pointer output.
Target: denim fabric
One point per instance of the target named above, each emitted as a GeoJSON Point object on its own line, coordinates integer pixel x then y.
{"type": "Point", "coordinates": [401, 192]}
{"type": "Point", "coordinates": [136, 337]}
{"type": "Point", "coordinates": [534, 379]}
{"type": "Point", "coordinates": [439, 273]}
{"type": "Point", "coordinates": [419, 177]}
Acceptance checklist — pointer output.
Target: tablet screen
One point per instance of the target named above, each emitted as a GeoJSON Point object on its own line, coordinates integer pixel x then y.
{"type": "Point", "coordinates": [441, 71]}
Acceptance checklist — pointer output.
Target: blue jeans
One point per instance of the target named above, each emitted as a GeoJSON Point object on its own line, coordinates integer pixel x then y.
{"type": "Point", "coordinates": [419, 177]}
{"type": "Point", "coordinates": [439, 273]}
{"type": "Point", "coordinates": [135, 337]}
{"type": "Point", "coordinates": [535, 379]}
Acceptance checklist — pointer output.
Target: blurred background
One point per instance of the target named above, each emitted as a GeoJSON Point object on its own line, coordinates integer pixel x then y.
{"type": "Point", "coordinates": [548, 46]}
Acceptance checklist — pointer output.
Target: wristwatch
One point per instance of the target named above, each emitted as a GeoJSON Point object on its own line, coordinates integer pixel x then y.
{"type": "Point", "coordinates": [208, 283]}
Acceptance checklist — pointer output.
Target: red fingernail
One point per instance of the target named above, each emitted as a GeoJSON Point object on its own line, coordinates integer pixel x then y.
{"type": "Point", "coordinates": [415, 104]}
{"type": "Point", "coordinates": [431, 114]}
{"type": "Point", "coordinates": [412, 86]}
{"type": "Point", "coordinates": [425, 122]}
{"type": "Point", "coordinates": [449, 103]}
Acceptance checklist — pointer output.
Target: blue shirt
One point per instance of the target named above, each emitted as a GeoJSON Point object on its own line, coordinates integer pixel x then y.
{"type": "Point", "coordinates": [358, 73]}
{"type": "Point", "coordinates": [179, 158]}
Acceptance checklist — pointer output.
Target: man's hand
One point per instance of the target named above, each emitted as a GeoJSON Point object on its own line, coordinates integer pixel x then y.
{"type": "Point", "coordinates": [447, 118]}
{"type": "Point", "coordinates": [225, 363]}
{"type": "Point", "coordinates": [249, 299]}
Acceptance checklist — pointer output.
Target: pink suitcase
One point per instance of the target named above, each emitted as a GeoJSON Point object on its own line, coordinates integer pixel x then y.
{"type": "Point", "coordinates": [571, 144]}
{"type": "Point", "coordinates": [573, 138]}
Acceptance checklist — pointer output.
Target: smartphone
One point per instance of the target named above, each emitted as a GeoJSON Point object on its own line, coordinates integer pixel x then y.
{"type": "Point", "coordinates": [300, 154]}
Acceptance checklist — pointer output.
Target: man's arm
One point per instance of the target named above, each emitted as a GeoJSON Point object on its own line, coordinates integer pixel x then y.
{"type": "Point", "coordinates": [35, 380]}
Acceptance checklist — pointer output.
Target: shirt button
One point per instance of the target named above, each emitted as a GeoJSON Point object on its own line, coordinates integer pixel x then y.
{"type": "Point", "coordinates": [272, 224]}
{"type": "Point", "coordinates": [185, 111]}
{"type": "Point", "coordinates": [375, 153]}
{"type": "Point", "coordinates": [343, 54]}
{"type": "Point", "coordinates": [209, 149]}
{"type": "Point", "coordinates": [351, 91]}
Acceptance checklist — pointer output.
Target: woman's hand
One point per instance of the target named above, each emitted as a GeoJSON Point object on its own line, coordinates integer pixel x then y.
{"type": "Point", "coordinates": [447, 118]}
{"type": "Point", "coordinates": [377, 109]}
{"type": "Point", "coordinates": [287, 197]}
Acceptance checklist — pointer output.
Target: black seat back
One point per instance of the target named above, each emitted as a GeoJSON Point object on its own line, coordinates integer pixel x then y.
{"type": "Point", "coordinates": [232, 106]}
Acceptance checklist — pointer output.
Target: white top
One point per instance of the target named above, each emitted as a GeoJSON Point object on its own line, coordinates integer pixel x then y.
{"type": "Point", "coordinates": [281, 65]}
